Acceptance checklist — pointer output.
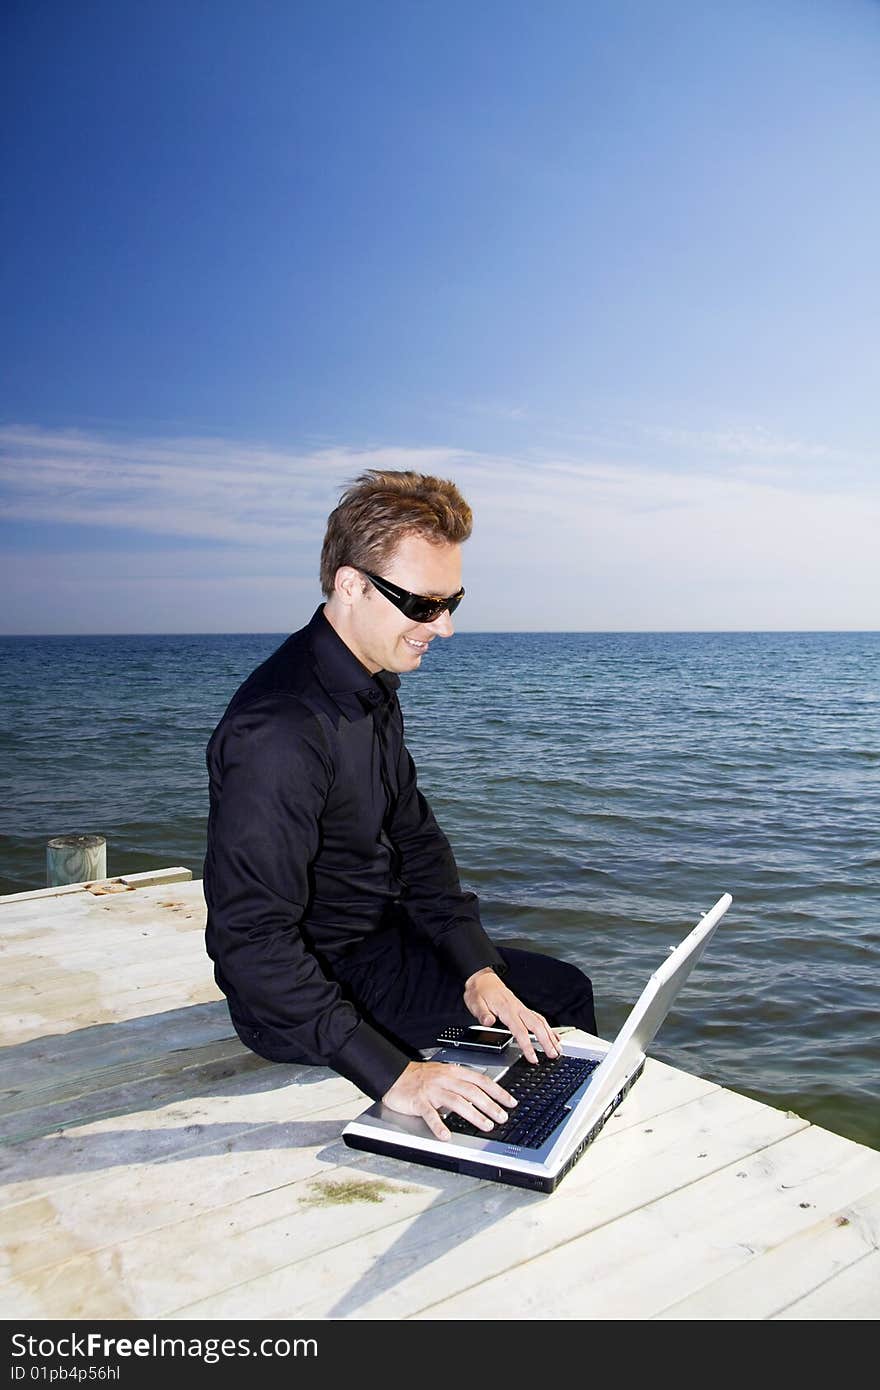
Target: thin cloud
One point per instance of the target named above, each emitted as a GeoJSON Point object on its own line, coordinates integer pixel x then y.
{"type": "Point", "coordinates": [558, 542]}
{"type": "Point", "coordinates": [750, 442]}
{"type": "Point", "coordinates": [205, 489]}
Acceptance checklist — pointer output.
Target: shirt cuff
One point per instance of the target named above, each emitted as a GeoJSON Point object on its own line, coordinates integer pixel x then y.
{"type": "Point", "coordinates": [370, 1060]}
{"type": "Point", "coordinates": [469, 949]}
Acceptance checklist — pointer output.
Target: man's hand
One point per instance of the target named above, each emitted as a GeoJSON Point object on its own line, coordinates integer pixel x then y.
{"type": "Point", "coordinates": [488, 998]}
{"type": "Point", "coordinates": [426, 1086]}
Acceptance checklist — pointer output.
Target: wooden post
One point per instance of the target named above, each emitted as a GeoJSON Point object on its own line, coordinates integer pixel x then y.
{"type": "Point", "coordinates": [75, 859]}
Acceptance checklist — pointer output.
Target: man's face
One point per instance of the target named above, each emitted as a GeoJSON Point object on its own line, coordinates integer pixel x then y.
{"type": "Point", "coordinates": [384, 639]}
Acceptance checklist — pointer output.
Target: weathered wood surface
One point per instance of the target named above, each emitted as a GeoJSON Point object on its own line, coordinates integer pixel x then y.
{"type": "Point", "coordinates": [142, 880]}
{"type": "Point", "coordinates": [153, 1168]}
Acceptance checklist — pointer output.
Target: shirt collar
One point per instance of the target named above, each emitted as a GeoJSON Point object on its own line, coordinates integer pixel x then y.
{"type": "Point", "coordinates": [349, 684]}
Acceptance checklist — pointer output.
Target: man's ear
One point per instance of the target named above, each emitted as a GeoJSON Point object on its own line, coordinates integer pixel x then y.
{"type": "Point", "coordinates": [347, 584]}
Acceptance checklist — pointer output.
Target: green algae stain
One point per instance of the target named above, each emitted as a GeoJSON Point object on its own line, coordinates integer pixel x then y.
{"type": "Point", "coordinates": [330, 1192]}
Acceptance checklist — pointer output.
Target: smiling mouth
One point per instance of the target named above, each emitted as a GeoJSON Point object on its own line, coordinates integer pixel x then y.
{"type": "Point", "coordinates": [416, 646]}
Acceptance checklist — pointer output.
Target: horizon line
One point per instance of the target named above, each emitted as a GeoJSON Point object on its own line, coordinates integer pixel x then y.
{"type": "Point", "coordinates": [501, 632]}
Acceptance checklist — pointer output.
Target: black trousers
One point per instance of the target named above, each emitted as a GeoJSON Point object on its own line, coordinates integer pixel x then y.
{"type": "Point", "coordinates": [405, 989]}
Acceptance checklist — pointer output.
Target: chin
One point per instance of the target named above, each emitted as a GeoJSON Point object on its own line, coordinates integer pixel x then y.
{"type": "Point", "coordinates": [409, 659]}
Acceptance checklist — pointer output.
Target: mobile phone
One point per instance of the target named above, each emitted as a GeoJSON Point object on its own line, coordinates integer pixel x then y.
{"type": "Point", "coordinates": [495, 1039]}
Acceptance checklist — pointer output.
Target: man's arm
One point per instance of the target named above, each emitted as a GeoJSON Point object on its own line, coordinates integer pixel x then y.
{"type": "Point", "coordinates": [270, 771]}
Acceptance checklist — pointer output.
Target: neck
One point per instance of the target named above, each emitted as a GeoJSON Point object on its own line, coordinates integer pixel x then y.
{"type": "Point", "coordinates": [339, 618]}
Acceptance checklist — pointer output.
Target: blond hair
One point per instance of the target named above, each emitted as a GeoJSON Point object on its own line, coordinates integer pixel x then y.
{"type": "Point", "coordinates": [379, 508]}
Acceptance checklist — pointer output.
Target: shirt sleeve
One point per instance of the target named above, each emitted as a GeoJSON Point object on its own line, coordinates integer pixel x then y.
{"type": "Point", "coordinates": [433, 895]}
{"type": "Point", "coordinates": [270, 771]}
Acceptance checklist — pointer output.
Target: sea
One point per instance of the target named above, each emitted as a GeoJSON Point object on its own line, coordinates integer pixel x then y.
{"type": "Point", "coordinates": [600, 790]}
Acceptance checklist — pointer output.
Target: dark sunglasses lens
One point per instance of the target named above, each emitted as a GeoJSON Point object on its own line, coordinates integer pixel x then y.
{"type": "Point", "coordinates": [423, 610]}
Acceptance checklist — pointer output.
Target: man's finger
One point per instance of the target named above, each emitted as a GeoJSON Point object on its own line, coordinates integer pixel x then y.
{"type": "Point", "coordinates": [546, 1037]}
{"type": "Point", "coordinates": [521, 1036]}
{"type": "Point", "coordinates": [486, 1084]}
{"type": "Point", "coordinates": [434, 1121]}
{"type": "Point", "coordinates": [470, 1112]}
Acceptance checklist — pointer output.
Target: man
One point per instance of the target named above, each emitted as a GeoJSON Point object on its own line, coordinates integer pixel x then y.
{"type": "Point", "coordinates": [338, 927]}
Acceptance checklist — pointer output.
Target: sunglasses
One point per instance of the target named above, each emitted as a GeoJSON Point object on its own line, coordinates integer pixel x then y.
{"type": "Point", "coordinates": [418, 607]}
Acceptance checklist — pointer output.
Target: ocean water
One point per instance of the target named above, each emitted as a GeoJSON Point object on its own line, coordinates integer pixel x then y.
{"type": "Point", "coordinates": [600, 790]}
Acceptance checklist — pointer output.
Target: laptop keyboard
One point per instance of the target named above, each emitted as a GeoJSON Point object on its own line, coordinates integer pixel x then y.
{"type": "Point", "coordinates": [542, 1091]}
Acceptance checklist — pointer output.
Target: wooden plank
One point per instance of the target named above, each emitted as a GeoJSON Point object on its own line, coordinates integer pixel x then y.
{"type": "Point", "coordinates": [145, 974]}
{"type": "Point", "coordinates": [142, 880]}
{"type": "Point", "coordinates": [44, 1239]}
{"type": "Point", "coordinates": [88, 924]}
{"type": "Point", "coordinates": [40, 917]}
{"type": "Point", "coordinates": [317, 1202]}
{"type": "Point", "coordinates": [218, 1110]}
{"type": "Point", "coordinates": [107, 933]}
{"type": "Point", "coordinates": [853, 1293]}
{"type": "Point", "coordinates": [100, 1086]}
{"type": "Point", "coordinates": [667, 1249]}
{"type": "Point", "coordinates": [240, 1170]}
{"type": "Point", "coordinates": [170, 1173]}
{"type": "Point", "coordinates": [49, 981]}
{"type": "Point", "coordinates": [156, 946]}
{"type": "Point", "coordinates": [128, 944]}
{"type": "Point", "coordinates": [192, 1094]}
{"type": "Point", "coordinates": [57, 892]}
{"type": "Point", "coordinates": [413, 1264]}
{"type": "Point", "coordinates": [158, 1000]}
{"type": "Point", "coordinates": [136, 976]}
{"type": "Point", "coordinates": [266, 1093]}
{"type": "Point", "coordinates": [43, 983]}
{"type": "Point", "coordinates": [59, 1057]}
{"type": "Point", "coordinates": [141, 1087]}
{"type": "Point", "coordinates": [150, 877]}
{"type": "Point", "coordinates": [797, 1268]}
{"type": "Point", "coordinates": [259, 1091]}
{"type": "Point", "coordinates": [55, 1225]}
{"type": "Point", "coordinates": [97, 940]}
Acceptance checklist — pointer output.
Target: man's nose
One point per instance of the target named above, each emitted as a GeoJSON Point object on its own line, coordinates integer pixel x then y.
{"type": "Point", "coordinates": [443, 624]}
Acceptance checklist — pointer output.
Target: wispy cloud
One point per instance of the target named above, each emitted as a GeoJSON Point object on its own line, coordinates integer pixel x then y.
{"type": "Point", "coordinates": [744, 442]}
{"type": "Point", "coordinates": [747, 449]}
{"type": "Point", "coordinates": [205, 488]}
{"type": "Point", "coordinates": [565, 542]}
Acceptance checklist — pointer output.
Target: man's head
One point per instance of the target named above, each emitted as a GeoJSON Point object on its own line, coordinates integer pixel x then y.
{"type": "Point", "coordinates": [405, 529]}
{"type": "Point", "coordinates": [379, 509]}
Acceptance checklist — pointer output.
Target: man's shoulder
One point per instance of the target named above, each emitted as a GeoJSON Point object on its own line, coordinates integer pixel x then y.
{"type": "Point", "coordinates": [288, 674]}
{"type": "Point", "coordinates": [284, 690]}
{"type": "Point", "coordinates": [275, 732]}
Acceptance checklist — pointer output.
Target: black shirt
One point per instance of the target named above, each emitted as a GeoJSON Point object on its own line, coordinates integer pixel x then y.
{"type": "Point", "coordinates": [316, 830]}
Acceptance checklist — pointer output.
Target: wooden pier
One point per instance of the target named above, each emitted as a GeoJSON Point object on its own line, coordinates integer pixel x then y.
{"type": "Point", "coordinates": [153, 1168]}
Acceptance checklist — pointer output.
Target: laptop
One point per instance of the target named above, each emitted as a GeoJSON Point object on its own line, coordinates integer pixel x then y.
{"type": "Point", "coordinates": [563, 1102]}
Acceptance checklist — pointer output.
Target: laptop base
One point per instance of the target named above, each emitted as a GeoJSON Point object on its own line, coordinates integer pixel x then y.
{"type": "Point", "coordinates": [541, 1169]}
{"type": "Point", "coordinates": [457, 1162]}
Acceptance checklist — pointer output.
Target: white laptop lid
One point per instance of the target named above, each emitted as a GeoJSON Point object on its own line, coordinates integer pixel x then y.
{"type": "Point", "coordinates": [627, 1052]}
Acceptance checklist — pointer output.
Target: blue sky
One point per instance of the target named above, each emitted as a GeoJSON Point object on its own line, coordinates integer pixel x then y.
{"type": "Point", "coordinates": [612, 265]}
